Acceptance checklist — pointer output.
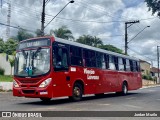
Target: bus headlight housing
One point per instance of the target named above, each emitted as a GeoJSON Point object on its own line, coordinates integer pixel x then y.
{"type": "Point", "coordinates": [15, 84]}
{"type": "Point", "coordinates": [45, 83]}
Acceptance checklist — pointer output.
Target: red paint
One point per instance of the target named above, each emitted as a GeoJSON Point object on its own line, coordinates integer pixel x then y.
{"type": "Point", "coordinates": [109, 81]}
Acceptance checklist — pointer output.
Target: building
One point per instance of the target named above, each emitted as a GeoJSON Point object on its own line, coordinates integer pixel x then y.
{"type": "Point", "coordinates": [154, 73]}
{"type": "Point", "coordinates": [145, 67]}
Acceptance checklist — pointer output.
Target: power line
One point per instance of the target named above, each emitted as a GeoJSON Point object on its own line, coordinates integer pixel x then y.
{"type": "Point", "coordinates": [16, 27]}
{"type": "Point", "coordinates": [76, 20]}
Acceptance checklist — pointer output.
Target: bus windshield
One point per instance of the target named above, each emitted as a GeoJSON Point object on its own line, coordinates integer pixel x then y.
{"type": "Point", "coordinates": [34, 62]}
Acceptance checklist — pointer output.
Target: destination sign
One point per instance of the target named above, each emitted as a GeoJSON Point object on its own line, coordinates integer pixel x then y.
{"type": "Point", "coordinates": [34, 43]}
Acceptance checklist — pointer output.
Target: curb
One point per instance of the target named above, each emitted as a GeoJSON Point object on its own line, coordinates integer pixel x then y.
{"type": "Point", "coordinates": [144, 87]}
{"type": "Point", "coordinates": [6, 86]}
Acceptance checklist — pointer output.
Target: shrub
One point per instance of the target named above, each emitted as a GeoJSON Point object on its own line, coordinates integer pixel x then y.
{"type": "Point", "coordinates": [2, 71]}
{"type": "Point", "coordinates": [147, 77]}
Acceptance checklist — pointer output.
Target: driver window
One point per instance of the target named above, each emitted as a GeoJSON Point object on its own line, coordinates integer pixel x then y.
{"type": "Point", "coordinates": [60, 59]}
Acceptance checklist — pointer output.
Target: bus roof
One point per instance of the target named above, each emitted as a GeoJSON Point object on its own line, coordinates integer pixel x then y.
{"type": "Point", "coordinates": [93, 48]}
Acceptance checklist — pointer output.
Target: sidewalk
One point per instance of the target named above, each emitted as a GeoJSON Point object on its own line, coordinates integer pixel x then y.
{"type": "Point", "coordinates": [149, 86]}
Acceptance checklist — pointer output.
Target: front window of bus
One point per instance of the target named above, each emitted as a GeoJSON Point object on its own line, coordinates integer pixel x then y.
{"type": "Point", "coordinates": [32, 62]}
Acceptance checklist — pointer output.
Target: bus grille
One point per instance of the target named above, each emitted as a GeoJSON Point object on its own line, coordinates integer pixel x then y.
{"type": "Point", "coordinates": [29, 81]}
{"type": "Point", "coordinates": [28, 91]}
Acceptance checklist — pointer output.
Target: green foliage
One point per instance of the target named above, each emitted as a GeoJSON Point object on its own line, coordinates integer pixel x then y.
{"type": "Point", "coordinates": [2, 71]}
{"type": "Point", "coordinates": [10, 46]}
{"type": "Point", "coordinates": [1, 46]}
{"type": "Point", "coordinates": [154, 6]}
{"type": "Point", "coordinates": [62, 32]}
{"type": "Point", "coordinates": [11, 61]}
{"type": "Point", "coordinates": [147, 77]}
{"type": "Point", "coordinates": [111, 48]}
{"type": "Point", "coordinates": [22, 35]}
{"type": "Point", "coordinates": [38, 32]}
{"type": "Point", "coordinates": [90, 40]}
{"type": "Point", "coordinates": [6, 78]}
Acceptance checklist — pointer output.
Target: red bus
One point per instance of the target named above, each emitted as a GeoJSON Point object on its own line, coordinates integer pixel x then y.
{"type": "Point", "coordinates": [49, 67]}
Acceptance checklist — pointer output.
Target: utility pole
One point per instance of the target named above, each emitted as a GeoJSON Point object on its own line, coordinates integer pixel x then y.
{"type": "Point", "coordinates": [158, 61]}
{"type": "Point", "coordinates": [43, 18]}
{"type": "Point", "coordinates": [126, 34]}
{"type": "Point", "coordinates": [8, 20]}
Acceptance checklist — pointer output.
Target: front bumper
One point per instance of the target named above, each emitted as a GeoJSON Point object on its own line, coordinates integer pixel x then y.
{"type": "Point", "coordinates": [33, 92]}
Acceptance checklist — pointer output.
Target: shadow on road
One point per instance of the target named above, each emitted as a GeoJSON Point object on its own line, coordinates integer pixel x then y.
{"type": "Point", "coordinates": [68, 101]}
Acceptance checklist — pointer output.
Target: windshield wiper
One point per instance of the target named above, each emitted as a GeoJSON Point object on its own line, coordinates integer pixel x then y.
{"type": "Point", "coordinates": [38, 50]}
{"type": "Point", "coordinates": [24, 54]}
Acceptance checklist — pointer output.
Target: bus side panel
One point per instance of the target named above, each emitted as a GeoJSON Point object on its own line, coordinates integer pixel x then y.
{"type": "Point", "coordinates": [135, 81]}
{"type": "Point", "coordinates": [61, 86]}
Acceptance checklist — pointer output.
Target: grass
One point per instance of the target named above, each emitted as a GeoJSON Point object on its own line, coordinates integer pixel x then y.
{"type": "Point", "coordinates": [6, 78]}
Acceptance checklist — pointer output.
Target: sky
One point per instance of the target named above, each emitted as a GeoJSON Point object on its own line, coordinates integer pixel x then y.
{"type": "Point", "coordinates": [101, 18]}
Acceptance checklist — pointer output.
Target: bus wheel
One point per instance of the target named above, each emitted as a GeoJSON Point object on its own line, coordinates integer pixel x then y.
{"type": "Point", "coordinates": [76, 92]}
{"type": "Point", "coordinates": [124, 89]}
{"type": "Point", "coordinates": [45, 99]}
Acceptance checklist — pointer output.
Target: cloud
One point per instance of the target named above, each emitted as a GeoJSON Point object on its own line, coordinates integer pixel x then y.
{"type": "Point", "coordinates": [27, 14]}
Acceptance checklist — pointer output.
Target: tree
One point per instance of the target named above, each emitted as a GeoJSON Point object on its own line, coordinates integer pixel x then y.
{"type": "Point", "coordinates": [38, 32]}
{"type": "Point", "coordinates": [111, 48]}
{"type": "Point", "coordinates": [62, 32]}
{"type": "Point", "coordinates": [90, 40]}
{"type": "Point", "coordinates": [10, 46]}
{"type": "Point", "coordinates": [1, 46]}
{"type": "Point", "coordinates": [22, 35]}
{"type": "Point", "coordinates": [11, 61]}
{"type": "Point", "coordinates": [96, 42]}
{"type": "Point", "coordinates": [154, 6]}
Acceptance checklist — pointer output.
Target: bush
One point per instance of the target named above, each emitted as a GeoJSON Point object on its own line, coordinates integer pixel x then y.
{"type": "Point", "coordinates": [147, 77]}
{"type": "Point", "coordinates": [2, 71]}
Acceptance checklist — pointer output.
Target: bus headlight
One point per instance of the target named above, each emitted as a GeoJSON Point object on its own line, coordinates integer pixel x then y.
{"type": "Point", "coordinates": [15, 84]}
{"type": "Point", "coordinates": [45, 83]}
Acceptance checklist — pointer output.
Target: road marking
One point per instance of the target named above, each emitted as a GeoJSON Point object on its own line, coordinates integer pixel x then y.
{"type": "Point", "coordinates": [133, 106]}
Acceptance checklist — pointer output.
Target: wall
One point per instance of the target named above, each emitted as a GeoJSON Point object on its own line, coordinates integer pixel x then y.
{"type": "Point", "coordinates": [5, 64]}
{"type": "Point", "coordinates": [146, 67]}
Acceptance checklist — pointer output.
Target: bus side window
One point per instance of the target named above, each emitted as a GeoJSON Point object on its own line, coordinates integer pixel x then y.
{"type": "Point", "coordinates": [124, 63]}
{"type": "Point", "coordinates": [134, 66]}
{"type": "Point", "coordinates": [116, 62]}
{"type": "Point", "coordinates": [103, 62]}
{"type": "Point", "coordinates": [89, 58]}
{"type": "Point", "coordinates": [76, 55]}
{"type": "Point", "coordinates": [128, 65]}
{"type": "Point", "coordinates": [138, 66]}
{"type": "Point", "coordinates": [131, 65]}
{"type": "Point", "coordinates": [99, 59]}
{"type": "Point", "coordinates": [111, 63]}
{"type": "Point", "coordinates": [121, 64]}
{"type": "Point", "coordinates": [106, 58]}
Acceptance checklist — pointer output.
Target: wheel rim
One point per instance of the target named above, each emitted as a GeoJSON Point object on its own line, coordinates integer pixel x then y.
{"type": "Point", "coordinates": [77, 91]}
{"type": "Point", "coordinates": [125, 89]}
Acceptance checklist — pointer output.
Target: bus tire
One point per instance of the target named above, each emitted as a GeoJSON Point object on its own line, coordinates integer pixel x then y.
{"type": "Point", "coordinates": [45, 99]}
{"type": "Point", "coordinates": [76, 92]}
{"type": "Point", "coordinates": [124, 89]}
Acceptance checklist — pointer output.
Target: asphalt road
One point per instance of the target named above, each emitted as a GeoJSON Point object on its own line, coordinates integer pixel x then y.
{"type": "Point", "coordinates": [147, 99]}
